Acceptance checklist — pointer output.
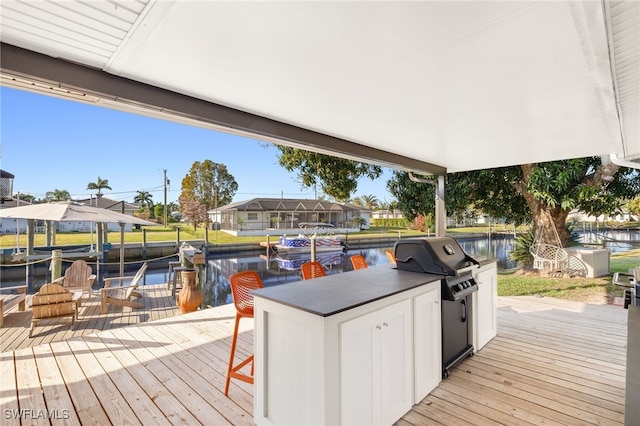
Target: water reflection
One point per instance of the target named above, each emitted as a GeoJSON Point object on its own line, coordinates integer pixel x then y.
{"type": "Point", "coordinates": [493, 247]}
{"type": "Point", "coordinates": [284, 269]}
{"type": "Point", "coordinates": [615, 241]}
{"type": "Point", "coordinates": [278, 269]}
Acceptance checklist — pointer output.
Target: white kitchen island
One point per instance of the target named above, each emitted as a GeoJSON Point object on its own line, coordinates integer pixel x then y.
{"type": "Point", "coordinates": [359, 347]}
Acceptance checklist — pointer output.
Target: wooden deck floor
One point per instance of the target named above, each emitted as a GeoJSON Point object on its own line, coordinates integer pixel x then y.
{"type": "Point", "coordinates": [553, 362]}
{"type": "Point", "coordinates": [157, 300]}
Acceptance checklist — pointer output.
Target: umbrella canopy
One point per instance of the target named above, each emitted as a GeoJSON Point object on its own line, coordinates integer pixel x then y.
{"type": "Point", "coordinates": [70, 211]}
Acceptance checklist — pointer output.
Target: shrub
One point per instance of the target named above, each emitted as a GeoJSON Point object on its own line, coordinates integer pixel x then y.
{"type": "Point", "coordinates": [389, 223]}
{"type": "Point", "coordinates": [520, 252]}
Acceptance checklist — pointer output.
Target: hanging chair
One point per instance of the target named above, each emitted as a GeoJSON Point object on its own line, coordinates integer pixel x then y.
{"type": "Point", "coordinates": [554, 258]}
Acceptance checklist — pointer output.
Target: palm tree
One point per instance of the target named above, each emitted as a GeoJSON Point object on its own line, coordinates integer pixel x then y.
{"type": "Point", "coordinates": [144, 198]}
{"type": "Point", "coordinates": [100, 184]}
{"type": "Point", "coordinates": [368, 201]}
{"type": "Point", "coordinates": [173, 207]}
{"type": "Point", "coordinates": [57, 195]}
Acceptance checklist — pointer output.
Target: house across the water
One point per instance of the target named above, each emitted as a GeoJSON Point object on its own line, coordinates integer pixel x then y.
{"type": "Point", "coordinates": [277, 216]}
{"type": "Point", "coordinates": [8, 226]}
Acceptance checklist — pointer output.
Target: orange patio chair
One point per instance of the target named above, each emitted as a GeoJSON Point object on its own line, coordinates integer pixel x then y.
{"type": "Point", "coordinates": [312, 270]}
{"type": "Point", "coordinates": [358, 261]}
{"type": "Point", "coordinates": [391, 257]}
{"type": "Point", "coordinates": [242, 283]}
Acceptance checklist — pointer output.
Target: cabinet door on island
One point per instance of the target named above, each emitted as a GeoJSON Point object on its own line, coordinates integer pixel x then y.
{"type": "Point", "coordinates": [376, 370]}
{"type": "Point", "coordinates": [485, 301]}
{"type": "Point", "coordinates": [427, 341]}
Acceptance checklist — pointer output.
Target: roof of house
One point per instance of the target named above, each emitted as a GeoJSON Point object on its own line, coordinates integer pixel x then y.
{"type": "Point", "coordinates": [287, 204]}
{"type": "Point", "coordinates": [108, 203]}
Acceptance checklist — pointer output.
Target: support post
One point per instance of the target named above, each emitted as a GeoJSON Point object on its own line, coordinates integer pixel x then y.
{"type": "Point", "coordinates": [144, 244]}
{"type": "Point", "coordinates": [268, 248]}
{"type": "Point", "coordinates": [31, 230]}
{"type": "Point", "coordinates": [164, 211]}
{"type": "Point", "coordinates": [441, 211]}
{"type": "Point", "coordinates": [56, 264]}
{"type": "Point", "coordinates": [313, 249]}
{"type": "Point", "coordinates": [48, 226]}
{"type": "Point", "coordinates": [100, 249]}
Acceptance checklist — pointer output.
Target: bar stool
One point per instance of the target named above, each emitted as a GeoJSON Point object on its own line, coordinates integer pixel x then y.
{"type": "Point", "coordinates": [242, 283]}
{"type": "Point", "coordinates": [172, 264]}
{"type": "Point", "coordinates": [391, 257]}
{"type": "Point", "coordinates": [312, 270]}
{"type": "Point", "coordinates": [177, 279]}
{"type": "Point", "coordinates": [358, 262]}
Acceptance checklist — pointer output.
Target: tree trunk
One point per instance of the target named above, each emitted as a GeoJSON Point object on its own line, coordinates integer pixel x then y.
{"type": "Point", "coordinates": [544, 217]}
{"type": "Point", "coordinates": [548, 220]}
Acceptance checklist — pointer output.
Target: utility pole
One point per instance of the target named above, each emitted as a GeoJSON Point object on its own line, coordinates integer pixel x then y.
{"type": "Point", "coordinates": [165, 197]}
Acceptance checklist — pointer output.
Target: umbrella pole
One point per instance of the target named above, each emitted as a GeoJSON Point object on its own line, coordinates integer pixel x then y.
{"type": "Point", "coordinates": [122, 249]}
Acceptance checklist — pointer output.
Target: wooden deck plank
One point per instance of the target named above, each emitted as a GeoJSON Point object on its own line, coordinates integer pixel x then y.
{"type": "Point", "coordinates": [162, 358]}
{"type": "Point", "coordinates": [9, 390]}
{"type": "Point", "coordinates": [539, 371]}
{"type": "Point", "coordinates": [85, 401]}
{"type": "Point", "coordinates": [144, 408]}
{"type": "Point", "coordinates": [433, 402]}
{"type": "Point", "coordinates": [111, 399]}
{"type": "Point", "coordinates": [481, 411]}
{"type": "Point", "coordinates": [59, 404]}
{"type": "Point", "coordinates": [207, 379]}
{"type": "Point", "coordinates": [170, 405]}
{"type": "Point", "coordinates": [195, 343]}
{"type": "Point", "coordinates": [553, 362]}
{"type": "Point", "coordinates": [14, 335]}
{"type": "Point", "coordinates": [555, 395]}
{"type": "Point", "coordinates": [30, 397]}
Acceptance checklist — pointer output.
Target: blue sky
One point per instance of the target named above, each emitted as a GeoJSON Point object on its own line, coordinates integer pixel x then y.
{"type": "Point", "coordinates": [50, 143]}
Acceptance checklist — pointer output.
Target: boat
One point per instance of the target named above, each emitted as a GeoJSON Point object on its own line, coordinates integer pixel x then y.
{"type": "Point", "coordinates": [321, 233]}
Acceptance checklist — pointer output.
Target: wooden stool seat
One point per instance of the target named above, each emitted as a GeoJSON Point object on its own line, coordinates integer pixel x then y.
{"type": "Point", "coordinates": [172, 265]}
{"type": "Point", "coordinates": [177, 279]}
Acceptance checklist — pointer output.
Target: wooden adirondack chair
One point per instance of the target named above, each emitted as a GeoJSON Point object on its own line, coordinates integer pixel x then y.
{"type": "Point", "coordinates": [121, 295]}
{"type": "Point", "coordinates": [52, 301]}
{"type": "Point", "coordinates": [78, 276]}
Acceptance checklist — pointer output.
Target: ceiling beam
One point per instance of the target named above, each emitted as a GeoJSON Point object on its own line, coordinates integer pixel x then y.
{"type": "Point", "coordinates": [28, 70]}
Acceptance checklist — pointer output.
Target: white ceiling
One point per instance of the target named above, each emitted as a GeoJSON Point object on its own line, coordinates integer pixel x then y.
{"type": "Point", "coordinates": [462, 85]}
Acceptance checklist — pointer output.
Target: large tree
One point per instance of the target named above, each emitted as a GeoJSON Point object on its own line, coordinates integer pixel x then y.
{"type": "Point", "coordinates": [337, 177]}
{"type": "Point", "coordinates": [209, 182]}
{"type": "Point", "coordinates": [193, 209]}
{"type": "Point", "coordinates": [541, 193]}
{"type": "Point", "coordinates": [99, 185]}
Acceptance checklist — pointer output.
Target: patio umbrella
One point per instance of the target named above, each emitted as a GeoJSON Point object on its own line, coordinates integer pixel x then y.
{"type": "Point", "coordinates": [70, 211]}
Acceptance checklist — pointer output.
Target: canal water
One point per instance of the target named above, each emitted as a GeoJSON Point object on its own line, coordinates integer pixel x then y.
{"type": "Point", "coordinates": [277, 270]}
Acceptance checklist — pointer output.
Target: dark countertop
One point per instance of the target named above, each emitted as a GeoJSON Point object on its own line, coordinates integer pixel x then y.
{"type": "Point", "coordinates": [333, 294]}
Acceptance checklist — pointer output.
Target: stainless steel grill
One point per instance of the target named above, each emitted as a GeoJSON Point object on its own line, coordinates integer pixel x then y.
{"type": "Point", "coordinates": [444, 256]}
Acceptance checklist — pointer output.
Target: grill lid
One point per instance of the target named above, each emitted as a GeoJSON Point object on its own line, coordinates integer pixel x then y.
{"type": "Point", "coordinates": [433, 255]}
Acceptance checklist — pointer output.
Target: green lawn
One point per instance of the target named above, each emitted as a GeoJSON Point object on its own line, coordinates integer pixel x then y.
{"type": "Point", "coordinates": [159, 233]}
{"type": "Point", "coordinates": [583, 289]}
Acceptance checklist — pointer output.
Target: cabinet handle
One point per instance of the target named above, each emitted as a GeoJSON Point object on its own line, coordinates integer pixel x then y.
{"type": "Point", "coordinates": [437, 302]}
{"type": "Point", "coordinates": [378, 327]}
{"type": "Point", "coordinates": [385, 324]}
